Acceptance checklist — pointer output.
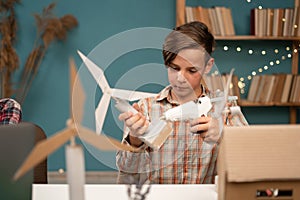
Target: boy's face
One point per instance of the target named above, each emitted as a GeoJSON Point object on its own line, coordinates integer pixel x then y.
{"type": "Point", "coordinates": [185, 74]}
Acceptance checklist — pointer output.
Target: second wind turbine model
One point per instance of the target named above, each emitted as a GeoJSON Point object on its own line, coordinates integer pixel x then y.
{"type": "Point", "coordinates": [158, 130]}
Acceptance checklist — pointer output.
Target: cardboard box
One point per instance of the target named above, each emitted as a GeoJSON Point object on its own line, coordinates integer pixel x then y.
{"type": "Point", "coordinates": [259, 162]}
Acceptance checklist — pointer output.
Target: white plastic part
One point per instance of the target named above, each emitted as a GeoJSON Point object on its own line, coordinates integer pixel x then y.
{"type": "Point", "coordinates": [189, 110]}
{"type": "Point", "coordinates": [124, 106]}
{"type": "Point", "coordinates": [75, 171]}
{"type": "Point", "coordinates": [235, 110]}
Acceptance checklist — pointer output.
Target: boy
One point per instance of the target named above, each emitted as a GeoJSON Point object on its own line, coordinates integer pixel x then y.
{"type": "Point", "coordinates": [182, 159]}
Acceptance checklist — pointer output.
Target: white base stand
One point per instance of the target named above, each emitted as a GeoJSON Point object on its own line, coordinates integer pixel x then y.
{"type": "Point", "coordinates": [75, 171]}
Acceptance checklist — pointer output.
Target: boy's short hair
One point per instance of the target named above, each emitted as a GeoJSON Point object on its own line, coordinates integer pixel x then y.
{"type": "Point", "coordinates": [192, 35]}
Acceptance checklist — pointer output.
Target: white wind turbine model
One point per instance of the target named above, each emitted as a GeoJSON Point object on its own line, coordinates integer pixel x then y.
{"type": "Point", "coordinates": [158, 130]}
{"type": "Point", "coordinates": [74, 153]}
{"type": "Point", "coordinates": [203, 105]}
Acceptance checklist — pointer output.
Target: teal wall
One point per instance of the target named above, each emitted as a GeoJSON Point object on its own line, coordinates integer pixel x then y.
{"type": "Point", "coordinates": [47, 103]}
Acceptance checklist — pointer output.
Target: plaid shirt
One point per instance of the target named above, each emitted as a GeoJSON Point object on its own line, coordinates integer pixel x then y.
{"type": "Point", "coordinates": [10, 111]}
{"type": "Point", "coordinates": [184, 158]}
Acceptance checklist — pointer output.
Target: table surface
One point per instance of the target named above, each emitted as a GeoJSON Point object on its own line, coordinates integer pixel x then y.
{"type": "Point", "coordinates": [117, 192]}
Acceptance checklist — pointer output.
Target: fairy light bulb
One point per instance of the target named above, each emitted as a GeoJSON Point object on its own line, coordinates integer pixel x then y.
{"type": "Point", "coordinates": [240, 84]}
{"type": "Point", "coordinates": [225, 48]}
{"type": "Point", "coordinates": [250, 51]}
{"type": "Point", "coordinates": [263, 52]}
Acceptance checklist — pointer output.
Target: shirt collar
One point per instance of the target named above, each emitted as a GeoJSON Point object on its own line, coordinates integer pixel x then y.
{"type": "Point", "coordinates": [166, 94]}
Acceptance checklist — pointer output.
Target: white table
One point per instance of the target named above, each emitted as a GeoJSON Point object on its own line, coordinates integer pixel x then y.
{"type": "Point", "coordinates": [119, 192]}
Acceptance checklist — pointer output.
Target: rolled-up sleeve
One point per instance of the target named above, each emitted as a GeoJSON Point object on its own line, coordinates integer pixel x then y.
{"type": "Point", "coordinates": [10, 111]}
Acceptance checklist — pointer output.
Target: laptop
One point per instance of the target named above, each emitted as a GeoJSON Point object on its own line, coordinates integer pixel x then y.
{"type": "Point", "coordinates": [16, 142]}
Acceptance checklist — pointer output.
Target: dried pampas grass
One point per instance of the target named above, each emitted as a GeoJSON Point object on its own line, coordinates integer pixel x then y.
{"type": "Point", "coordinates": [9, 60]}
{"type": "Point", "coordinates": [49, 29]}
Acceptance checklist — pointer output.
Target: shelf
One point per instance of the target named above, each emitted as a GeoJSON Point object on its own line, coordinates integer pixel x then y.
{"type": "Point", "coordinates": [245, 103]}
{"type": "Point", "coordinates": [253, 37]}
{"type": "Point", "coordinates": [180, 19]}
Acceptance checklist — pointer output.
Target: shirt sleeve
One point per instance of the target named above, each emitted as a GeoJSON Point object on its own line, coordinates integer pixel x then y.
{"type": "Point", "coordinates": [131, 163]}
{"type": "Point", "coordinates": [10, 112]}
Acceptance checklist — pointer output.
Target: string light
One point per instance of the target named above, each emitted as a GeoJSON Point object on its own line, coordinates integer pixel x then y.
{"type": "Point", "coordinates": [241, 82]}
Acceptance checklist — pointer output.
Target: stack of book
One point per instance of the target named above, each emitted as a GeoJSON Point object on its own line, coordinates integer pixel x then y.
{"type": "Point", "coordinates": [275, 22]}
{"type": "Point", "coordinates": [218, 19]}
{"type": "Point", "coordinates": [275, 88]}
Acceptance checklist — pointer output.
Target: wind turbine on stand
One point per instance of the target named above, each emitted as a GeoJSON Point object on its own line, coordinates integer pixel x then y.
{"type": "Point", "coordinates": [74, 152]}
{"type": "Point", "coordinates": [158, 130]}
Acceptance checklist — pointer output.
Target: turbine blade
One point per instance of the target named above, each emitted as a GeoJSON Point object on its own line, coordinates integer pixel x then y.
{"type": "Point", "coordinates": [103, 142]}
{"type": "Point", "coordinates": [96, 72]}
{"type": "Point", "coordinates": [78, 99]}
{"type": "Point", "coordinates": [43, 149]}
{"type": "Point", "coordinates": [130, 95]}
{"type": "Point", "coordinates": [72, 81]}
{"type": "Point", "coordinates": [100, 112]}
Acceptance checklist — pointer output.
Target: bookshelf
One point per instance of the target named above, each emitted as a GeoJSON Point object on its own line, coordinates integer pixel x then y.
{"type": "Point", "coordinates": [180, 19]}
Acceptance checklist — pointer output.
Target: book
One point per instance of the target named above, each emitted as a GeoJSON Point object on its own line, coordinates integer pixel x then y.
{"type": "Point", "coordinates": [270, 16]}
{"type": "Point", "coordinates": [274, 88]}
{"type": "Point", "coordinates": [215, 25]}
{"type": "Point", "coordinates": [259, 88]}
{"type": "Point", "coordinates": [253, 88]}
{"type": "Point", "coordinates": [295, 21]}
{"type": "Point", "coordinates": [286, 88]}
{"type": "Point", "coordinates": [279, 88]}
{"type": "Point", "coordinates": [220, 20]}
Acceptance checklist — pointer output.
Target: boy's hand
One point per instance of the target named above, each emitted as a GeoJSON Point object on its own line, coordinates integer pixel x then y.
{"type": "Point", "coordinates": [137, 124]}
{"type": "Point", "coordinates": [208, 128]}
